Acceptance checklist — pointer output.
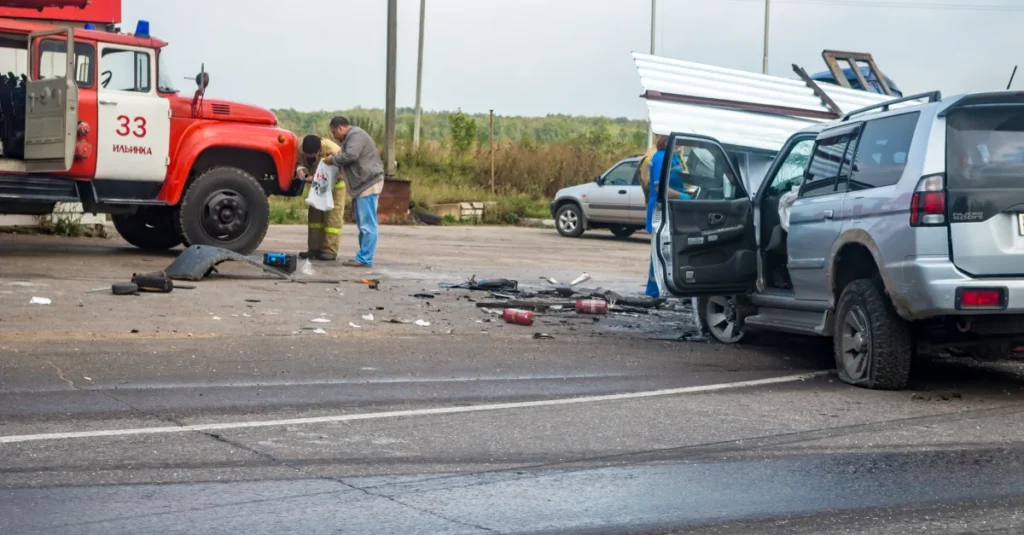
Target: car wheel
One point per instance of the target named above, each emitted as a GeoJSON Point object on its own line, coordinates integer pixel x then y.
{"type": "Point", "coordinates": [622, 232]}
{"type": "Point", "coordinates": [225, 207]}
{"type": "Point", "coordinates": [149, 228]}
{"type": "Point", "coordinates": [569, 221]}
{"type": "Point", "coordinates": [873, 345]}
{"type": "Point", "coordinates": [719, 318]}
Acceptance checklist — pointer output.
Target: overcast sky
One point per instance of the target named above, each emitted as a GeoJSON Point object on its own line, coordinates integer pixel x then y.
{"type": "Point", "coordinates": [534, 57]}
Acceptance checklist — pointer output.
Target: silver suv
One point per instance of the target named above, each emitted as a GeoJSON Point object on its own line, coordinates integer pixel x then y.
{"type": "Point", "coordinates": [907, 235]}
{"type": "Point", "coordinates": [614, 200]}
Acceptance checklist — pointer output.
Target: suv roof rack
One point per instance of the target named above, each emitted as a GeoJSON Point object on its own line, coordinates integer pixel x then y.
{"type": "Point", "coordinates": [932, 96]}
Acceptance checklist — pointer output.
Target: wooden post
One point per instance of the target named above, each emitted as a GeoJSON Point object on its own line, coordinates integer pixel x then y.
{"type": "Point", "coordinates": [492, 152]}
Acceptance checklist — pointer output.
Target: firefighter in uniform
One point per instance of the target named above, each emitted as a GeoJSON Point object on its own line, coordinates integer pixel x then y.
{"type": "Point", "coordinates": [324, 227]}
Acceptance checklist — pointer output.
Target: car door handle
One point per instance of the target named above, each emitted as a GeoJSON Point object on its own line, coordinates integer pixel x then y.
{"type": "Point", "coordinates": [828, 214]}
{"type": "Point", "coordinates": [107, 103]}
{"type": "Point", "coordinates": [622, 192]}
{"type": "Point", "coordinates": [715, 219]}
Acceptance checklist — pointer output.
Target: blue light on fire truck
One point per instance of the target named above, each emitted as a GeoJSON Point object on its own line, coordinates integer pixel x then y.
{"type": "Point", "coordinates": [90, 26]}
{"type": "Point", "coordinates": [142, 29]}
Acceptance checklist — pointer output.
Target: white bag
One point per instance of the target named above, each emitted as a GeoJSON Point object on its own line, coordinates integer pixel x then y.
{"type": "Point", "coordinates": [320, 190]}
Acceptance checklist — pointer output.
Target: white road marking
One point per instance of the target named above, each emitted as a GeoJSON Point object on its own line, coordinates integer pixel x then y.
{"type": "Point", "coordinates": [408, 413]}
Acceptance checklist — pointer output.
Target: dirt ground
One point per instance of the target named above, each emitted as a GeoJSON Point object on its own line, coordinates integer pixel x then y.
{"type": "Point", "coordinates": [410, 260]}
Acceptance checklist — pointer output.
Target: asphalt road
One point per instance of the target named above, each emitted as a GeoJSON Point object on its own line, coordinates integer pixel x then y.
{"type": "Point", "coordinates": [253, 424]}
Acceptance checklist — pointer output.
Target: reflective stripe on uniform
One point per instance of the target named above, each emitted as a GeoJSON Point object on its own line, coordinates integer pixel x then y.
{"type": "Point", "coordinates": [332, 230]}
{"type": "Point", "coordinates": [316, 225]}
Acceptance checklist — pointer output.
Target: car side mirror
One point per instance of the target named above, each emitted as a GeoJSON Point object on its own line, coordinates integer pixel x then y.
{"type": "Point", "coordinates": [203, 80]}
{"type": "Point", "coordinates": [597, 180]}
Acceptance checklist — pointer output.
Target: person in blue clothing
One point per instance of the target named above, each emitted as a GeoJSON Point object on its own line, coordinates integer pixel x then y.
{"type": "Point", "coordinates": [676, 190]}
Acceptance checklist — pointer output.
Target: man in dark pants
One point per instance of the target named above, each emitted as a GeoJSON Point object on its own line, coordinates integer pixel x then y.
{"type": "Point", "coordinates": [359, 161]}
{"type": "Point", "coordinates": [324, 231]}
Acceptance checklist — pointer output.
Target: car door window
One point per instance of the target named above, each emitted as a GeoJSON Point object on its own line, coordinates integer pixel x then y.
{"type": "Point", "coordinates": [53, 61]}
{"type": "Point", "coordinates": [882, 151]}
{"type": "Point", "coordinates": [791, 172]}
{"type": "Point", "coordinates": [705, 171]}
{"type": "Point", "coordinates": [621, 175]}
{"type": "Point", "coordinates": [125, 70]}
{"type": "Point", "coordinates": [830, 155]}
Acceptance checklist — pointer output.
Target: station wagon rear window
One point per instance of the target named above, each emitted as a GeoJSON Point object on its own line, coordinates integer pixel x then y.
{"type": "Point", "coordinates": [985, 148]}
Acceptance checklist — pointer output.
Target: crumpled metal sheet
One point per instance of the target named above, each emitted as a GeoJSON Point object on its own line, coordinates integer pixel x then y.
{"type": "Point", "coordinates": [198, 261]}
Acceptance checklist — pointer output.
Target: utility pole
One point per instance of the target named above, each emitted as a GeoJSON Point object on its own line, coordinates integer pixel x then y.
{"type": "Point", "coordinates": [767, 18]}
{"type": "Point", "coordinates": [419, 81]}
{"type": "Point", "coordinates": [492, 152]}
{"type": "Point", "coordinates": [389, 104]}
{"type": "Point", "coordinates": [650, 127]}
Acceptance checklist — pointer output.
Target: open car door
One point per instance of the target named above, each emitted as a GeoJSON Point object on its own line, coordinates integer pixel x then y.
{"type": "Point", "coordinates": [704, 245]}
{"type": "Point", "coordinates": [51, 109]}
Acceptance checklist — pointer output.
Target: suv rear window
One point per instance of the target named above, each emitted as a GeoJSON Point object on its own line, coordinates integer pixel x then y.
{"type": "Point", "coordinates": [882, 151]}
{"type": "Point", "coordinates": [985, 148]}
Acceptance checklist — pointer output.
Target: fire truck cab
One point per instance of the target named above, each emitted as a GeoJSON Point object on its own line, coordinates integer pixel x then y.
{"type": "Point", "coordinates": [94, 117]}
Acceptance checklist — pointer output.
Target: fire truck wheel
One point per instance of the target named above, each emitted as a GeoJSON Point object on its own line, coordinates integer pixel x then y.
{"type": "Point", "coordinates": [225, 207]}
{"type": "Point", "coordinates": [151, 228]}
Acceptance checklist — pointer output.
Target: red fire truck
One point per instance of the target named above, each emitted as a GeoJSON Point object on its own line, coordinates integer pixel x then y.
{"type": "Point", "coordinates": [91, 115]}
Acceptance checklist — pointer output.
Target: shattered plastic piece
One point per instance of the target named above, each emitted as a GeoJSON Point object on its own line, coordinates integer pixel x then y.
{"type": "Point", "coordinates": [581, 279]}
{"type": "Point", "coordinates": [494, 311]}
{"type": "Point", "coordinates": [124, 288]}
{"type": "Point", "coordinates": [484, 284]}
{"type": "Point", "coordinates": [424, 296]}
{"type": "Point", "coordinates": [354, 326]}
{"type": "Point", "coordinates": [399, 321]}
{"type": "Point", "coordinates": [306, 268]}
{"type": "Point", "coordinates": [545, 336]}
{"type": "Point", "coordinates": [374, 284]}
{"type": "Point", "coordinates": [252, 300]}
{"type": "Point", "coordinates": [244, 315]}
{"type": "Point", "coordinates": [215, 317]}
{"type": "Point", "coordinates": [40, 301]}
{"type": "Point", "coordinates": [368, 317]}
{"type": "Point", "coordinates": [198, 261]}
{"type": "Point", "coordinates": [319, 331]}
{"type": "Point", "coordinates": [422, 323]}
{"type": "Point", "coordinates": [320, 320]}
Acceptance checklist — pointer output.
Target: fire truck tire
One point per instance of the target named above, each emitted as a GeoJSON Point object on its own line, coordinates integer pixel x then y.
{"type": "Point", "coordinates": [152, 229]}
{"type": "Point", "coordinates": [224, 207]}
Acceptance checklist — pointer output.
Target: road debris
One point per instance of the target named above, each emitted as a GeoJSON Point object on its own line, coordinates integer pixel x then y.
{"type": "Point", "coordinates": [518, 316]}
{"type": "Point", "coordinates": [422, 323]}
{"type": "Point", "coordinates": [368, 317]}
{"type": "Point", "coordinates": [157, 282]}
{"type": "Point", "coordinates": [542, 336]}
{"type": "Point", "coordinates": [307, 268]}
{"type": "Point", "coordinates": [591, 306]}
{"type": "Point", "coordinates": [424, 296]}
{"type": "Point", "coordinates": [124, 288]}
{"type": "Point", "coordinates": [399, 321]}
{"type": "Point", "coordinates": [319, 331]}
{"type": "Point", "coordinates": [354, 326]}
{"type": "Point", "coordinates": [199, 261]}
{"type": "Point", "coordinates": [40, 301]}
{"type": "Point", "coordinates": [374, 284]}
{"type": "Point", "coordinates": [482, 285]}
{"type": "Point", "coordinates": [320, 320]}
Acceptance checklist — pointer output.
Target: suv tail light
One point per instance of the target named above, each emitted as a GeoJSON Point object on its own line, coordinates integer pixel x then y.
{"type": "Point", "coordinates": [928, 205]}
{"type": "Point", "coordinates": [989, 298]}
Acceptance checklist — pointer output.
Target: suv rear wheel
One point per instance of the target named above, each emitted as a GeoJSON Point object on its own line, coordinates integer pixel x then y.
{"type": "Point", "coordinates": [569, 221]}
{"type": "Point", "coordinates": [873, 345]}
{"type": "Point", "coordinates": [148, 228]}
{"type": "Point", "coordinates": [225, 207]}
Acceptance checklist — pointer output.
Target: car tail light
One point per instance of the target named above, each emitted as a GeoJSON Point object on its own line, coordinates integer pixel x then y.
{"type": "Point", "coordinates": [980, 298]}
{"type": "Point", "coordinates": [928, 205]}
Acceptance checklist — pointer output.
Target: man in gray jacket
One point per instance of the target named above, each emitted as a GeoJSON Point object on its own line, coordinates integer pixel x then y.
{"type": "Point", "coordinates": [364, 179]}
